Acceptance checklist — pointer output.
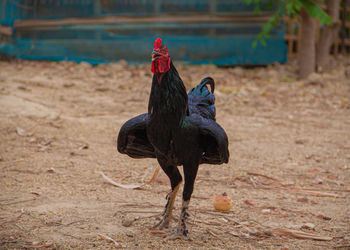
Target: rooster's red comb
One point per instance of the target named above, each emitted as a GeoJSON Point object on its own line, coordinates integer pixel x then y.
{"type": "Point", "coordinates": [158, 43]}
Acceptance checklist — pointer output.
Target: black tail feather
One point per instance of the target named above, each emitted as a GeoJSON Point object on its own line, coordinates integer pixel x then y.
{"type": "Point", "coordinates": [201, 100]}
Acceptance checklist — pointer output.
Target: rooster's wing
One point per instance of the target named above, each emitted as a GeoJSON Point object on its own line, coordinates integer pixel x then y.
{"type": "Point", "coordinates": [213, 139]}
{"type": "Point", "coordinates": [132, 138]}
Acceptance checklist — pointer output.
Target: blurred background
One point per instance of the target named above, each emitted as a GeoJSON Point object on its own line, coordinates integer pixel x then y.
{"type": "Point", "coordinates": [73, 71]}
{"type": "Point", "coordinates": [221, 32]}
{"type": "Point", "coordinates": [196, 31]}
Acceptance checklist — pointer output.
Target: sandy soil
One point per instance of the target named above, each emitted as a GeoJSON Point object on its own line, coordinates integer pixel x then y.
{"type": "Point", "coordinates": [289, 167]}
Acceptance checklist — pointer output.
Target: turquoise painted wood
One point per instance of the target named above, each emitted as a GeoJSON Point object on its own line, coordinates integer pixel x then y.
{"type": "Point", "coordinates": [194, 43]}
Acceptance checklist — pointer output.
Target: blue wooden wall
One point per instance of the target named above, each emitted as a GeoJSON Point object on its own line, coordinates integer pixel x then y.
{"type": "Point", "coordinates": [221, 43]}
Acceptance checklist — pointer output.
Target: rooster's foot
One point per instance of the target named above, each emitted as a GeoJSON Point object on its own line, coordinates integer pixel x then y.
{"type": "Point", "coordinates": [164, 223]}
{"type": "Point", "coordinates": [178, 235]}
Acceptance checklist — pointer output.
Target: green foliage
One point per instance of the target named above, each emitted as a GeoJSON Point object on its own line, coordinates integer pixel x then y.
{"type": "Point", "coordinates": [315, 11]}
{"type": "Point", "coordinates": [290, 8]}
{"type": "Point", "coordinates": [257, 4]}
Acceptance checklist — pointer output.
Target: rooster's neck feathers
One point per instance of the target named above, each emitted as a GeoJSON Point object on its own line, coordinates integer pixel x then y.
{"type": "Point", "coordinates": [168, 100]}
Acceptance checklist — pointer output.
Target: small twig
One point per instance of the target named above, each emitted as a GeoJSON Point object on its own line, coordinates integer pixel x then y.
{"type": "Point", "coordinates": [16, 202]}
{"type": "Point", "coordinates": [73, 222]}
{"type": "Point", "coordinates": [131, 186]}
{"type": "Point", "coordinates": [16, 218]}
{"type": "Point", "coordinates": [110, 239]}
{"type": "Point", "coordinates": [219, 214]}
{"type": "Point", "coordinates": [141, 205]}
{"type": "Point", "coordinates": [327, 190]}
{"type": "Point", "coordinates": [313, 193]}
{"type": "Point", "coordinates": [209, 223]}
{"type": "Point", "coordinates": [342, 246]}
{"type": "Point", "coordinates": [299, 234]}
{"type": "Point", "coordinates": [142, 212]}
{"type": "Point", "coordinates": [9, 242]}
{"type": "Point", "coordinates": [262, 175]}
{"type": "Point", "coordinates": [211, 233]}
{"type": "Point", "coordinates": [253, 182]}
{"type": "Point", "coordinates": [215, 235]}
{"type": "Point", "coordinates": [19, 226]}
{"type": "Point", "coordinates": [233, 234]}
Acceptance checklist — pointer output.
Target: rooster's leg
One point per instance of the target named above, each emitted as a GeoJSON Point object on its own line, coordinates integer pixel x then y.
{"type": "Point", "coordinates": [175, 179]}
{"type": "Point", "coordinates": [190, 172]}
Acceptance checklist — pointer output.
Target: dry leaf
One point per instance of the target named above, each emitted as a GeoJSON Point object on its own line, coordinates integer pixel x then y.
{"type": "Point", "coordinates": [332, 177]}
{"type": "Point", "coordinates": [318, 181]}
{"type": "Point", "coordinates": [131, 186]}
{"type": "Point", "coordinates": [51, 170]}
{"type": "Point", "coordinates": [303, 199]}
{"type": "Point", "coordinates": [321, 216]}
{"type": "Point", "coordinates": [85, 146]}
{"type": "Point", "coordinates": [249, 202]}
{"type": "Point", "coordinates": [262, 175]}
{"type": "Point", "coordinates": [300, 141]}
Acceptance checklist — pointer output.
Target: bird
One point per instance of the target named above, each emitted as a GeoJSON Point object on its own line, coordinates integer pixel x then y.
{"type": "Point", "coordinates": [179, 129]}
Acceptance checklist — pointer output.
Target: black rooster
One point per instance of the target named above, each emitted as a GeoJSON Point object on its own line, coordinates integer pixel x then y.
{"type": "Point", "coordinates": [179, 129]}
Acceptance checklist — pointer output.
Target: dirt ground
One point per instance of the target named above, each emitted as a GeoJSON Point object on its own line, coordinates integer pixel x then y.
{"type": "Point", "coordinates": [288, 175]}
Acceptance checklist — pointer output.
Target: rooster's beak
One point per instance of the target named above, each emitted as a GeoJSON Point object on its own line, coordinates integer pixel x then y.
{"type": "Point", "coordinates": [155, 55]}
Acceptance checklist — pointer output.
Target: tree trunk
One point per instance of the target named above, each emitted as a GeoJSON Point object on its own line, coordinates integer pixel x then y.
{"type": "Point", "coordinates": [306, 57]}
{"type": "Point", "coordinates": [328, 35]}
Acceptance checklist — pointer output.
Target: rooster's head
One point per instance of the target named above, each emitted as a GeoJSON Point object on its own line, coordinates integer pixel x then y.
{"type": "Point", "coordinates": [160, 59]}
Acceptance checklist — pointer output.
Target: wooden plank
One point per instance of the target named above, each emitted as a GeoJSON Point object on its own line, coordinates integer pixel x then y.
{"type": "Point", "coordinates": [117, 31]}
{"type": "Point", "coordinates": [57, 9]}
{"type": "Point", "coordinates": [194, 50]}
{"type": "Point", "coordinates": [99, 33]}
{"type": "Point", "coordinates": [135, 20]}
{"type": "Point", "coordinates": [6, 30]}
{"type": "Point", "coordinates": [290, 37]}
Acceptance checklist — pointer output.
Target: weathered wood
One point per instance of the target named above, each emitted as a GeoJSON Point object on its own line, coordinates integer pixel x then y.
{"type": "Point", "coordinates": [328, 36]}
{"type": "Point", "coordinates": [140, 20]}
{"type": "Point", "coordinates": [194, 50]}
{"type": "Point", "coordinates": [220, 32]}
{"type": "Point", "coordinates": [339, 42]}
{"type": "Point", "coordinates": [306, 56]}
{"type": "Point", "coordinates": [6, 30]}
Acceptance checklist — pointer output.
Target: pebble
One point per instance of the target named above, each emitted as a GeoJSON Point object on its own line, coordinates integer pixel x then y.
{"type": "Point", "coordinates": [127, 222]}
{"type": "Point", "coordinates": [129, 234]}
{"type": "Point", "coordinates": [308, 226]}
{"type": "Point", "coordinates": [266, 211]}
